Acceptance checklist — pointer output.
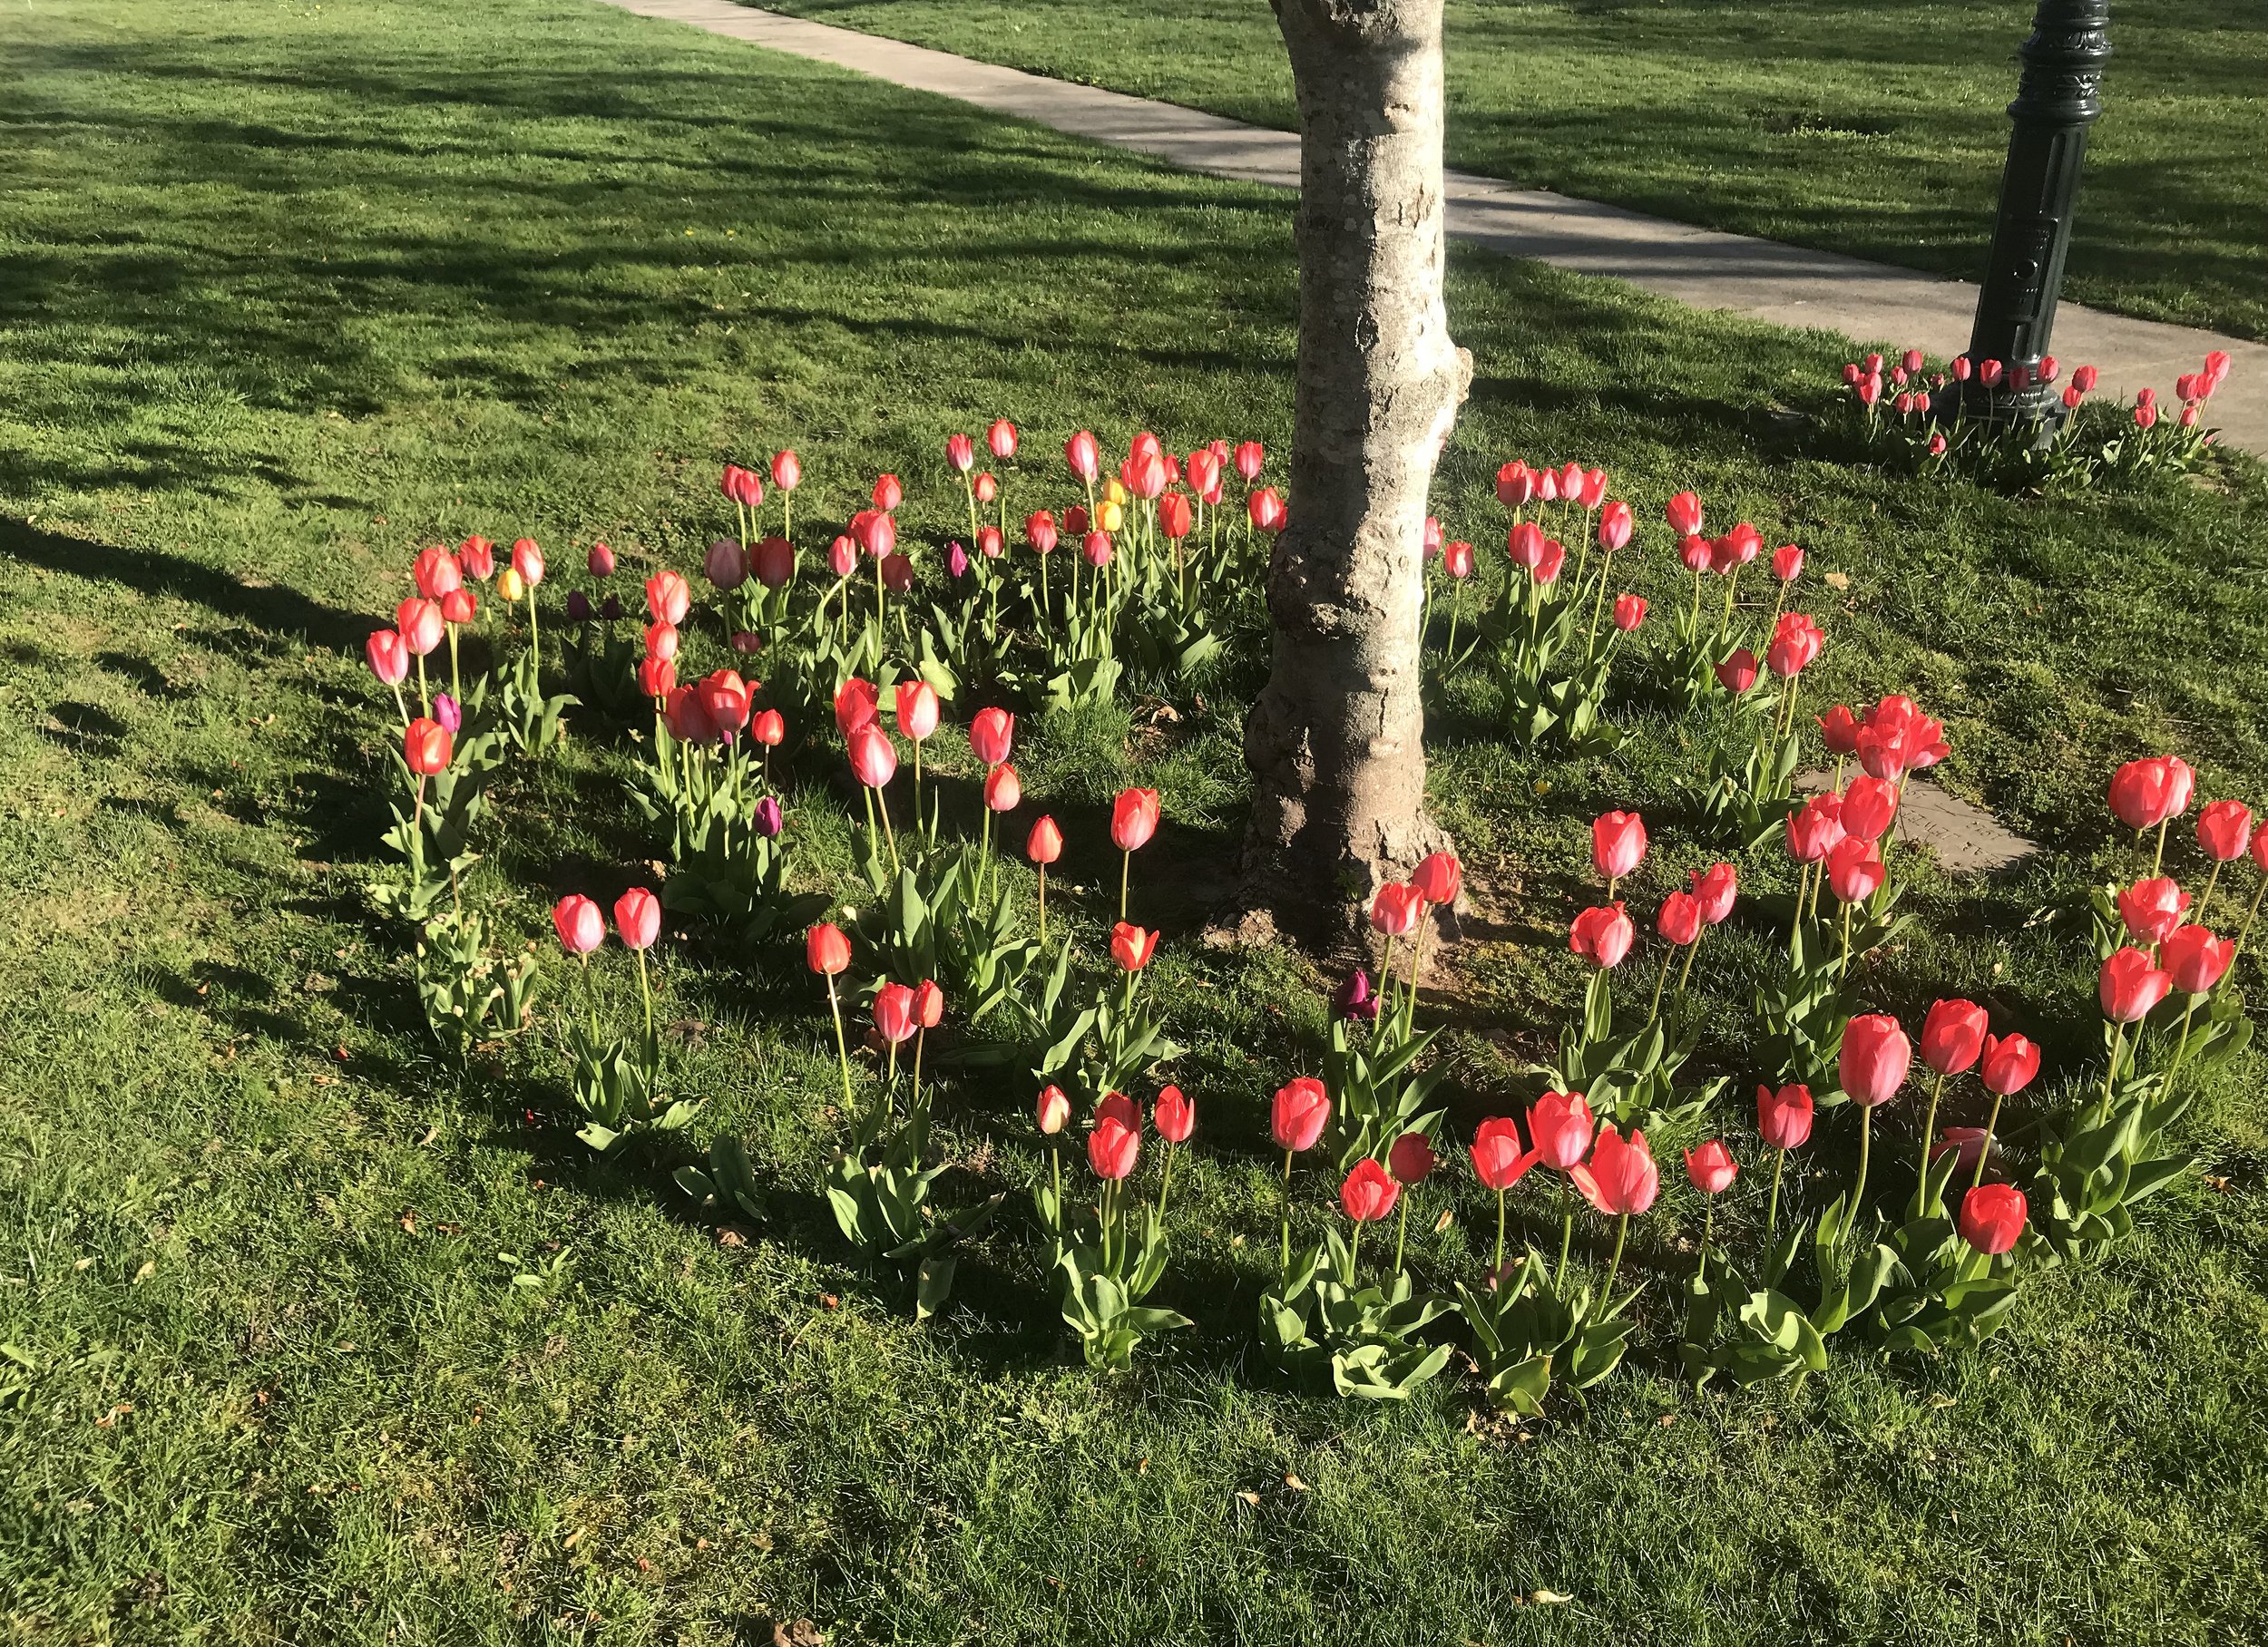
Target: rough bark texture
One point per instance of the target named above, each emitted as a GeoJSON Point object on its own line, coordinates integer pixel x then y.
{"type": "Point", "coordinates": [1336, 739]}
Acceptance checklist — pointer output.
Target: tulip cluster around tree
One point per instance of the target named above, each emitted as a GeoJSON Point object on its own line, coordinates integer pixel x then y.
{"type": "Point", "coordinates": [858, 657]}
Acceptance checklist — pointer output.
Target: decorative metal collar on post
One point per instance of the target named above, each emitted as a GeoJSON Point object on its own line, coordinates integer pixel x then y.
{"type": "Point", "coordinates": [2057, 101]}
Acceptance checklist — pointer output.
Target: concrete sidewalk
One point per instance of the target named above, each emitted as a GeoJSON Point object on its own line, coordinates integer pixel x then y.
{"type": "Point", "coordinates": [1790, 286]}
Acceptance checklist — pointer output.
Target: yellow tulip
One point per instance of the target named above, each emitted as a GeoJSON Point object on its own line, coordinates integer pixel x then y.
{"type": "Point", "coordinates": [509, 584]}
{"type": "Point", "coordinates": [1115, 491]}
{"type": "Point", "coordinates": [1108, 515]}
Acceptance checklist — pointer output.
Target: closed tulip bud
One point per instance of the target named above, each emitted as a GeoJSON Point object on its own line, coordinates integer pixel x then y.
{"type": "Point", "coordinates": [1045, 843]}
{"type": "Point", "coordinates": [1912, 360]}
{"type": "Point", "coordinates": [435, 572]}
{"type": "Point", "coordinates": [1175, 1114]}
{"type": "Point", "coordinates": [1787, 562]}
{"type": "Point", "coordinates": [1992, 1217]}
{"type": "Point", "coordinates": [1524, 544]}
{"type": "Point", "coordinates": [1602, 936]}
{"type": "Point", "coordinates": [2008, 1065]}
{"type": "Point", "coordinates": [1003, 790]}
{"type": "Point", "coordinates": [1083, 455]}
{"type": "Point", "coordinates": [1617, 843]}
{"type": "Point", "coordinates": [657, 677]}
{"type": "Point", "coordinates": [1852, 373]}
{"type": "Point", "coordinates": [2145, 414]}
{"type": "Point", "coordinates": [1133, 819]}
{"type": "Point", "coordinates": [1430, 537]}
{"type": "Point", "coordinates": [662, 639]}
{"type": "Point", "coordinates": [1711, 1167]}
{"type": "Point", "coordinates": [1131, 947]}
{"type": "Point", "coordinates": [1438, 878]}
{"type": "Point", "coordinates": [1680, 921]}
{"type": "Point", "coordinates": [724, 701]}
{"type": "Point", "coordinates": [1714, 892]}
{"type": "Point", "coordinates": [956, 560]}
{"type": "Point", "coordinates": [929, 1004]}
{"type": "Point", "coordinates": [389, 656]}
{"type": "Point", "coordinates": [687, 716]}
{"type": "Point", "coordinates": [887, 493]}
{"type": "Point", "coordinates": [2153, 908]}
{"type": "Point", "coordinates": [897, 573]}
{"type": "Point", "coordinates": [1515, 485]}
{"type": "Point", "coordinates": [1738, 673]}
{"type": "Point", "coordinates": [1497, 1160]}
{"type": "Point", "coordinates": [857, 704]}
{"type": "Point", "coordinates": [1839, 729]}
{"type": "Point", "coordinates": [1369, 1192]}
{"type": "Point", "coordinates": [1815, 829]}
{"type": "Point", "coordinates": [1250, 458]}
{"type": "Point", "coordinates": [1395, 910]}
{"type": "Point", "coordinates": [916, 709]}
{"type": "Point", "coordinates": [740, 486]}
{"type": "Point", "coordinates": [990, 734]}
{"type": "Point", "coordinates": [774, 562]}
{"type": "Point", "coordinates": [1547, 485]}
{"type": "Point", "coordinates": [1854, 873]}
{"type": "Point", "coordinates": [1952, 1035]}
{"type": "Point", "coordinates": [425, 747]}
{"type": "Point", "coordinates": [1962, 367]}
{"type": "Point", "coordinates": [1410, 1159]}
{"type": "Point", "coordinates": [1174, 518]}
{"type": "Point", "coordinates": [1796, 641]}
{"type": "Point", "coordinates": [1621, 1179]}
{"type": "Point", "coordinates": [727, 564]}
{"type": "Point", "coordinates": [769, 821]}
{"type": "Point", "coordinates": [420, 624]}
{"type": "Point", "coordinates": [1297, 1115]}
{"type": "Point", "coordinates": [579, 606]}
{"type": "Point", "coordinates": [1354, 1001]}
{"type": "Point", "coordinates": [1615, 526]}
{"type": "Point", "coordinates": [1095, 547]}
{"type": "Point", "coordinates": [1966, 1145]}
{"type": "Point", "coordinates": [1683, 513]}
{"type": "Point", "coordinates": [1696, 554]}
{"type": "Point", "coordinates": [1053, 1111]}
{"type": "Point", "coordinates": [1989, 372]}
{"type": "Point", "coordinates": [476, 558]}
{"type": "Point", "coordinates": [2072, 397]}
{"type": "Point", "coordinates": [1784, 1117]}
{"type": "Point", "coordinates": [668, 598]}
{"type": "Point", "coordinates": [1560, 1124]}
{"type": "Point", "coordinates": [446, 711]}
{"type": "Point", "coordinates": [1111, 1148]}
{"type": "Point", "coordinates": [787, 470]}
{"type": "Point", "coordinates": [638, 918]}
{"type": "Point", "coordinates": [1868, 806]}
{"type": "Point", "coordinates": [1875, 1057]}
{"type": "Point", "coordinates": [1630, 612]}
{"type": "Point", "coordinates": [2083, 380]}
{"type": "Point", "coordinates": [2195, 959]}
{"type": "Point", "coordinates": [825, 950]}
{"type": "Point", "coordinates": [2224, 831]}
{"type": "Point", "coordinates": [841, 557]}
{"type": "Point", "coordinates": [527, 560]}
{"type": "Point", "coordinates": [894, 1020]}
{"type": "Point", "coordinates": [960, 452]}
{"type": "Point", "coordinates": [1548, 563]}
{"type": "Point", "coordinates": [580, 928]}
{"type": "Point", "coordinates": [1266, 508]}
{"type": "Point", "coordinates": [874, 758]}
{"type": "Point", "coordinates": [1457, 559]}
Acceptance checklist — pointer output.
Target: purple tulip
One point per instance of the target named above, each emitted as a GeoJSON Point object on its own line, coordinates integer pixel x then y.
{"type": "Point", "coordinates": [612, 609]}
{"type": "Point", "coordinates": [767, 821]}
{"type": "Point", "coordinates": [957, 560]}
{"type": "Point", "coordinates": [578, 606]}
{"type": "Point", "coordinates": [446, 711]}
{"type": "Point", "coordinates": [1353, 1000]}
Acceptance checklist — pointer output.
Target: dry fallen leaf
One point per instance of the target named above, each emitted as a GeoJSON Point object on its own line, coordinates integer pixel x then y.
{"type": "Point", "coordinates": [1295, 1484]}
{"type": "Point", "coordinates": [1544, 1598]}
{"type": "Point", "coordinates": [1837, 580]}
{"type": "Point", "coordinates": [1251, 1498]}
{"type": "Point", "coordinates": [148, 1267]}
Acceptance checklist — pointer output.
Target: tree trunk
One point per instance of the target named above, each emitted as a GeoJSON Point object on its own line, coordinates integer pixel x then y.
{"type": "Point", "coordinates": [1337, 740]}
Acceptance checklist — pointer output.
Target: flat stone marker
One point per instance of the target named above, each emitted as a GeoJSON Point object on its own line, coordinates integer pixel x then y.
{"type": "Point", "coordinates": [1967, 840]}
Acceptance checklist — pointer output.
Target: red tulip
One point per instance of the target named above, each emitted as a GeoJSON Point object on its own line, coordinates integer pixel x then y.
{"type": "Point", "coordinates": [1395, 910]}
{"type": "Point", "coordinates": [2009, 1064]}
{"type": "Point", "coordinates": [389, 654]}
{"type": "Point", "coordinates": [916, 703]}
{"type": "Point", "coordinates": [989, 543]}
{"type": "Point", "coordinates": [1173, 515]}
{"type": "Point", "coordinates": [1853, 873]}
{"type": "Point", "coordinates": [1250, 457]}
{"type": "Point", "coordinates": [874, 758]}
{"type": "Point", "coordinates": [1815, 829]}
{"type": "Point", "coordinates": [1369, 1192]}
{"type": "Point", "coordinates": [888, 493]}
{"type": "Point", "coordinates": [1117, 1106]}
{"type": "Point", "coordinates": [1083, 455]}
{"type": "Point", "coordinates": [2153, 908]}
{"type": "Point", "coordinates": [2195, 959]}
{"type": "Point", "coordinates": [460, 606]}
{"type": "Point", "coordinates": [1594, 490]}
{"type": "Point", "coordinates": [1175, 1114]}
{"type": "Point", "coordinates": [1524, 543]}
{"type": "Point", "coordinates": [1000, 440]}
{"type": "Point", "coordinates": [1548, 563]}
{"type": "Point", "coordinates": [1617, 843]}
{"type": "Point", "coordinates": [1457, 559]}
{"type": "Point", "coordinates": [1053, 1111]}
{"type": "Point", "coordinates": [1094, 548]}
{"type": "Point", "coordinates": [1796, 641]}
{"type": "Point", "coordinates": [960, 452]}
{"type": "Point", "coordinates": [1787, 562]}
{"type": "Point", "coordinates": [2144, 793]}
{"type": "Point", "coordinates": [1515, 485]}
{"type": "Point", "coordinates": [1630, 612]}
{"type": "Point", "coordinates": [669, 597]}
{"type": "Point", "coordinates": [1131, 947]}
{"type": "Point", "coordinates": [1003, 790]}
{"type": "Point", "coordinates": [1111, 1148]}
{"type": "Point", "coordinates": [991, 733]}
{"type": "Point", "coordinates": [425, 747]}
{"type": "Point", "coordinates": [1784, 1117]}
{"type": "Point", "coordinates": [1714, 891]}
{"type": "Point", "coordinates": [420, 624]}
{"type": "Point", "coordinates": [897, 573]}
{"type": "Point", "coordinates": [580, 928]}
{"type": "Point", "coordinates": [1738, 673]}
{"type": "Point", "coordinates": [1410, 1158]}
{"type": "Point", "coordinates": [856, 703]}
{"type": "Point", "coordinates": [2224, 831]}
{"type": "Point", "coordinates": [1615, 526]}
{"type": "Point", "coordinates": [527, 560]}
{"type": "Point", "coordinates": [1683, 514]}
{"type": "Point", "coordinates": [1438, 878]}
{"type": "Point", "coordinates": [1711, 1168]}
{"type": "Point", "coordinates": [825, 949]}
{"type": "Point", "coordinates": [435, 572]}
{"type": "Point", "coordinates": [1992, 1216]}
{"type": "Point", "coordinates": [1681, 919]}
{"type": "Point", "coordinates": [1838, 730]}
{"type": "Point", "coordinates": [1602, 936]}
{"type": "Point", "coordinates": [477, 557]}
{"type": "Point", "coordinates": [1952, 1035]}
{"type": "Point", "coordinates": [1620, 1178]}
{"type": "Point", "coordinates": [662, 639]}
{"type": "Point", "coordinates": [688, 717]}
{"type": "Point", "coordinates": [638, 918]}
{"type": "Point", "coordinates": [1561, 1123]}
{"type": "Point", "coordinates": [774, 562]}
{"type": "Point", "coordinates": [1133, 819]}
{"type": "Point", "coordinates": [1045, 843]}
{"type": "Point", "coordinates": [1868, 806]}
{"type": "Point", "coordinates": [1693, 554]}
{"type": "Point", "coordinates": [724, 700]}
{"type": "Point", "coordinates": [895, 1020]}
{"type": "Point", "coordinates": [1876, 1056]}
{"type": "Point", "coordinates": [1298, 1114]}
{"type": "Point", "coordinates": [740, 486]}
{"type": "Point", "coordinates": [657, 677]}
{"type": "Point", "coordinates": [1266, 509]}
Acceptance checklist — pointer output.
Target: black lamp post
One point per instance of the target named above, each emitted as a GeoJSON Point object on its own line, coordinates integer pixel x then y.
{"type": "Point", "coordinates": [2058, 99]}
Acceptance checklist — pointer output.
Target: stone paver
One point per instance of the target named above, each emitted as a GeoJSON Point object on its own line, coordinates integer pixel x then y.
{"type": "Point", "coordinates": [1709, 269]}
{"type": "Point", "coordinates": [1966, 838]}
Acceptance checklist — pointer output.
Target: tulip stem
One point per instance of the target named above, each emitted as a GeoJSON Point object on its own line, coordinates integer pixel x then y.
{"type": "Point", "coordinates": [1844, 972]}
{"type": "Point", "coordinates": [1287, 1214]}
{"type": "Point", "coordinates": [1771, 1208]}
{"type": "Point", "coordinates": [913, 1095]}
{"type": "Point", "coordinates": [1354, 1251]}
{"type": "Point", "coordinates": [645, 988]}
{"type": "Point", "coordinates": [1709, 1230]}
{"type": "Point", "coordinates": [2245, 931]}
{"type": "Point", "coordinates": [425, 696]}
{"type": "Point", "coordinates": [1567, 1223]}
{"type": "Point", "coordinates": [2181, 1050]}
{"type": "Point", "coordinates": [1417, 960]}
{"type": "Point", "coordinates": [881, 805]}
{"type": "Point", "coordinates": [1043, 905]}
{"type": "Point", "coordinates": [1126, 870]}
{"type": "Point", "coordinates": [1866, 1139]}
{"type": "Point", "coordinates": [2205, 899]}
{"type": "Point", "coordinates": [1685, 973]}
{"type": "Point", "coordinates": [842, 1046]}
{"type": "Point", "coordinates": [1456, 606]}
{"type": "Point", "coordinates": [1661, 978]}
{"type": "Point", "coordinates": [2110, 1076]}
{"type": "Point", "coordinates": [1497, 1273]}
{"type": "Point", "coordinates": [1402, 1231]}
{"type": "Point", "coordinates": [1165, 1183]}
{"type": "Point", "coordinates": [1929, 1130]}
{"type": "Point", "coordinates": [1622, 1231]}
{"type": "Point", "coordinates": [1984, 1149]}
{"type": "Point", "coordinates": [2158, 860]}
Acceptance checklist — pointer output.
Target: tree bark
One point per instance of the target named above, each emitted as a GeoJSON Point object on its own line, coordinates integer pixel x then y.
{"type": "Point", "coordinates": [1335, 742]}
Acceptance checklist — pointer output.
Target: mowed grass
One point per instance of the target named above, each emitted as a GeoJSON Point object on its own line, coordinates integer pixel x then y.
{"type": "Point", "coordinates": [287, 291]}
{"type": "Point", "coordinates": [1875, 130]}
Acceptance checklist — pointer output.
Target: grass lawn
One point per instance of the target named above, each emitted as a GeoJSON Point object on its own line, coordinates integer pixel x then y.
{"type": "Point", "coordinates": [1874, 130]}
{"type": "Point", "coordinates": [287, 290]}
